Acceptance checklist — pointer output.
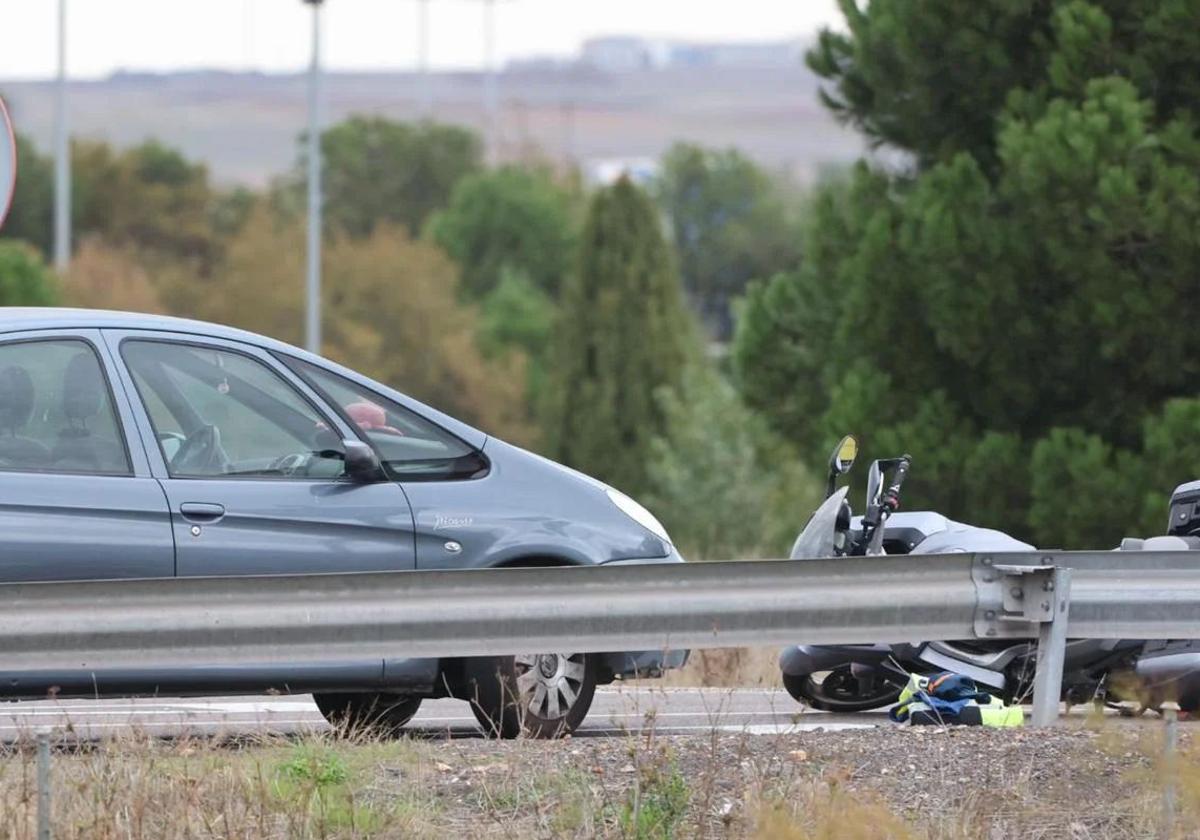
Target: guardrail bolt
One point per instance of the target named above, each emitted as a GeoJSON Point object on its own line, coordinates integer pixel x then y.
{"type": "Point", "coordinates": [1016, 592]}
{"type": "Point", "coordinates": [1048, 586]}
{"type": "Point", "coordinates": [987, 561]}
{"type": "Point", "coordinates": [990, 615]}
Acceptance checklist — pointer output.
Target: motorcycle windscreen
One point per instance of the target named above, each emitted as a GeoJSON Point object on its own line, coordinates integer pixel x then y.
{"type": "Point", "coordinates": [816, 540]}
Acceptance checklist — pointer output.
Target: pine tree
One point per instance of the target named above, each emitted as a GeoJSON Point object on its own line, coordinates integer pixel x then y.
{"type": "Point", "coordinates": [624, 333]}
{"type": "Point", "coordinates": [1018, 295]}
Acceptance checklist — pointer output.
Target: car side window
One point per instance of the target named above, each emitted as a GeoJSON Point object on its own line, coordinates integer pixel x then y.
{"type": "Point", "coordinates": [410, 447]}
{"type": "Point", "coordinates": [56, 410]}
{"type": "Point", "coordinates": [219, 413]}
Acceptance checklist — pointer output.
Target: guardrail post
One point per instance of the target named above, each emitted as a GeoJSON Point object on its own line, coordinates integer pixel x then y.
{"type": "Point", "coordinates": [1170, 768]}
{"type": "Point", "coordinates": [1052, 647]}
{"type": "Point", "coordinates": [43, 784]}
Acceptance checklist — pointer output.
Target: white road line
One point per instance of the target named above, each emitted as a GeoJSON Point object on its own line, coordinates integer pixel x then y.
{"type": "Point", "coordinates": [186, 711]}
{"type": "Point", "coordinates": [788, 729]}
{"type": "Point", "coordinates": [268, 706]}
{"type": "Point", "coordinates": [675, 689]}
{"type": "Point", "coordinates": [185, 714]}
{"type": "Point", "coordinates": [750, 729]}
{"type": "Point", "coordinates": [213, 723]}
{"type": "Point", "coordinates": [697, 713]}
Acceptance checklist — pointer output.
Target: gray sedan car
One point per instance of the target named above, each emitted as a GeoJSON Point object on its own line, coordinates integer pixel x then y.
{"type": "Point", "coordinates": [136, 446]}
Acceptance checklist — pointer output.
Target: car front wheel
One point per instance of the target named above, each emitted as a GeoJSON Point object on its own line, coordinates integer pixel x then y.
{"type": "Point", "coordinates": [367, 712]}
{"type": "Point", "coordinates": [541, 695]}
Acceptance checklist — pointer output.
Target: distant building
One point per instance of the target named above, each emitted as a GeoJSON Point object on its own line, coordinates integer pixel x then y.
{"type": "Point", "coordinates": [629, 53]}
{"type": "Point", "coordinates": [769, 54]}
{"type": "Point", "coordinates": [619, 54]}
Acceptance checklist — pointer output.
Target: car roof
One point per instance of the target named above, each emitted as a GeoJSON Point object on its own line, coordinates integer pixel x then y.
{"type": "Point", "coordinates": [21, 318]}
{"type": "Point", "coordinates": [14, 318]}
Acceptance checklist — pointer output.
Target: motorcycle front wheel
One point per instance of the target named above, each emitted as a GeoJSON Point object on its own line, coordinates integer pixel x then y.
{"type": "Point", "coordinates": [840, 691]}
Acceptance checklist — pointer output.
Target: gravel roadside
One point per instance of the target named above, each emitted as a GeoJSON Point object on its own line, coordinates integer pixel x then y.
{"type": "Point", "coordinates": [887, 782]}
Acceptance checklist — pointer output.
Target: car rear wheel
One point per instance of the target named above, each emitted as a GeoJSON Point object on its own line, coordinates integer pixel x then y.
{"type": "Point", "coordinates": [367, 712]}
{"type": "Point", "coordinates": [544, 695]}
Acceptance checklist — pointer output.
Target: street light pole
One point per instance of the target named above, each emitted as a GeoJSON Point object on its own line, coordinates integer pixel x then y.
{"type": "Point", "coordinates": [423, 58]}
{"type": "Point", "coordinates": [62, 153]}
{"type": "Point", "coordinates": [312, 324]}
{"type": "Point", "coordinates": [489, 69]}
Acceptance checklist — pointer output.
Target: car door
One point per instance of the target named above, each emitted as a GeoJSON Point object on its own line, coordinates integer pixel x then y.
{"type": "Point", "coordinates": [454, 527]}
{"type": "Point", "coordinates": [250, 461]}
{"type": "Point", "coordinates": [77, 498]}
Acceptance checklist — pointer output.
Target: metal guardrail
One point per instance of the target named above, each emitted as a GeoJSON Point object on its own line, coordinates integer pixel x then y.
{"type": "Point", "coordinates": [304, 618]}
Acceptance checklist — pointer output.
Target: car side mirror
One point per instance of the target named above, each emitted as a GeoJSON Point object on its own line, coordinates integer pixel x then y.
{"type": "Point", "coordinates": [362, 464]}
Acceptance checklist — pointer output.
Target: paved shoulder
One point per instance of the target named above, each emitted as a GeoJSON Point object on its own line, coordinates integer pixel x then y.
{"type": "Point", "coordinates": [616, 710]}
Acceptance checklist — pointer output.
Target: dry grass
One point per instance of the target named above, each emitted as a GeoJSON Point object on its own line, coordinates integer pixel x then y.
{"type": "Point", "coordinates": [141, 787]}
{"type": "Point", "coordinates": [645, 786]}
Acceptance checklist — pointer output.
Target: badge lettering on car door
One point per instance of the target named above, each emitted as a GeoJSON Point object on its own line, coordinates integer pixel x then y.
{"type": "Point", "coordinates": [443, 522]}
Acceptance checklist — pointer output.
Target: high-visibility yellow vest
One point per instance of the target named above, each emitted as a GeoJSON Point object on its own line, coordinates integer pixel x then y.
{"type": "Point", "coordinates": [919, 703]}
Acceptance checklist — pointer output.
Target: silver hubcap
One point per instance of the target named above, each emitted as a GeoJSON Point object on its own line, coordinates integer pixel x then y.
{"type": "Point", "coordinates": [549, 683]}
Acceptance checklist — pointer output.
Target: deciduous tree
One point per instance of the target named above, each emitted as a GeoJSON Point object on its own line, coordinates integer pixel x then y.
{"type": "Point", "coordinates": [511, 218]}
{"type": "Point", "coordinates": [24, 278]}
{"type": "Point", "coordinates": [730, 222]}
{"type": "Point", "coordinates": [379, 171]}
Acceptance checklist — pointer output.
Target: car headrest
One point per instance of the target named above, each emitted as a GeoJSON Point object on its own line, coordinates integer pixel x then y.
{"type": "Point", "coordinates": [16, 398]}
{"type": "Point", "coordinates": [82, 394]}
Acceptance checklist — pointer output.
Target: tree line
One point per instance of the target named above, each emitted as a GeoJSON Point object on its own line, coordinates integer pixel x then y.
{"type": "Point", "coordinates": [574, 321]}
{"type": "Point", "coordinates": [1003, 287]}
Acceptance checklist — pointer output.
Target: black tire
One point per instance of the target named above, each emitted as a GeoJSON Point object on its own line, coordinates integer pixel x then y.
{"type": "Point", "coordinates": [504, 694]}
{"type": "Point", "coordinates": [362, 713]}
{"type": "Point", "coordinates": [839, 695]}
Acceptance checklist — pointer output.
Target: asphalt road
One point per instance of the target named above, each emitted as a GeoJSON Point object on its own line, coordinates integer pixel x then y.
{"type": "Point", "coordinates": [616, 710]}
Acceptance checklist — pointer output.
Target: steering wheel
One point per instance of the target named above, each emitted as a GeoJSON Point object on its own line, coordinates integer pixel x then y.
{"type": "Point", "coordinates": [295, 463]}
{"type": "Point", "coordinates": [165, 437]}
{"type": "Point", "coordinates": [201, 453]}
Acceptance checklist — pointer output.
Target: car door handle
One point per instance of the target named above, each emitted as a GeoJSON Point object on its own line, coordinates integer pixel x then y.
{"type": "Point", "coordinates": [201, 511]}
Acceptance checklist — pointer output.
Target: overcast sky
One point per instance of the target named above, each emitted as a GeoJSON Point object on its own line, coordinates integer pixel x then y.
{"type": "Point", "coordinates": [272, 35]}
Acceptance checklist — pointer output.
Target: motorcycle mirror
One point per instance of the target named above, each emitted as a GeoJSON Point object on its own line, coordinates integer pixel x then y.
{"type": "Point", "coordinates": [840, 462]}
{"type": "Point", "coordinates": [843, 456]}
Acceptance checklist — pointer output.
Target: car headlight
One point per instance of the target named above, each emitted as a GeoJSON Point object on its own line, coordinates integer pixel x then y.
{"type": "Point", "coordinates": [638, 514]}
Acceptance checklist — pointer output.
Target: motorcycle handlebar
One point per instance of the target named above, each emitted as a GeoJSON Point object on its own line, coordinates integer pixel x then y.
{"type": "Point", "coordinates": [891, 497]}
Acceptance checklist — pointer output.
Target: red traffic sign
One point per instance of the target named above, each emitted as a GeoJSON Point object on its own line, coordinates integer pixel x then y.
{"type": "Point", "coordinates": [8, 162]}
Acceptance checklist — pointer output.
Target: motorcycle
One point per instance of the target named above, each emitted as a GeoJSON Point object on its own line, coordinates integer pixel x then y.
{"type": "Point", "coordinates": [853, 678]}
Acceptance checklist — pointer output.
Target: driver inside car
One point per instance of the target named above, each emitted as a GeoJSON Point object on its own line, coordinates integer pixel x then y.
{"type": "Point", "coordinates": [370, 418]}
